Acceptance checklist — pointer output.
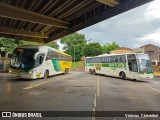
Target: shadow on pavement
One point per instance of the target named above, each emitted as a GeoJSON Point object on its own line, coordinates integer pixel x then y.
{"type": "Point", "coordinates": [127, 79]}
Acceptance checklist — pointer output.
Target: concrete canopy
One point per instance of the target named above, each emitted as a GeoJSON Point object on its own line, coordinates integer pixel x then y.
{"type": "Point", "coordinates": [48, 20]}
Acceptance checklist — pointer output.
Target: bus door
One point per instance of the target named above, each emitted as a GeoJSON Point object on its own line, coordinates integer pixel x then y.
{"type": "Point", "coordinates": [39, 68]}
{"type": "Point", "coordinates": [133, 66]}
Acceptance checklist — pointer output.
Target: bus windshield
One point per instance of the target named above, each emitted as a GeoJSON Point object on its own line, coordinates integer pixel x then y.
{"type": "Point", "coordinates": [145, 63]}
{"type": "Point", "coordinates": [23, 58]}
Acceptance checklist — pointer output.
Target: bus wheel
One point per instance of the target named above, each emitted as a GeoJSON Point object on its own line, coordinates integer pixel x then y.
{"type": "Point", "coordinates": [90, 71]}
{"type": "Point", "coordinates": [65, 72]}
{"type": "Point", "coordinates": [46, 74]}
{"type": "Point", "coordinates": [134, 79]}
{"type": "Point", "coordinates": [93, 72]}
{"type": "Point", "coordinates": [123, 76]}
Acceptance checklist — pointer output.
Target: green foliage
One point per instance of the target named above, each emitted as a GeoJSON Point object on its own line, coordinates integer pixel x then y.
{"type": "Point", "coordinates": [22, 42]}
{"type": "Point", "coordinates": [11, 44]}
{"type": "Point", "coordinates": [79, 65]}
{"type": "Point", "coordinates": [74, 43]}
{"type": "Point", "coordinates": [109, 46]}
{"type": "Point", "coordinates": [92, 49]}
{"type": "Point", "coordinates": [53, 45]}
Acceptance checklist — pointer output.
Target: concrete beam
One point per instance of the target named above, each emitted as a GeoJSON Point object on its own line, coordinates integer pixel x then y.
{"type": "Point", "coordinates": [110, 3]}
{"type": "Point", "coordinates": [13, 12]}
{"type": "Point", "coordinates": [12, 31]}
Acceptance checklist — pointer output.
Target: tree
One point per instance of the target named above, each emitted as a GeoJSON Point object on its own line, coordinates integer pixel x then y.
{"type": "Point", "coordinates": [74, 45]}
{"type": "Point", "coordinates": [10, 44]}
{"type": "Point", "coordinates": [92, 49]}
{"type": "Point", "coordinates": [109, 46]}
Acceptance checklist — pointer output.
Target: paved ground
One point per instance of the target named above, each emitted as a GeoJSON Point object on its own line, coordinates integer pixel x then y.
{"type": "Point", "coordinates": [79, 91]}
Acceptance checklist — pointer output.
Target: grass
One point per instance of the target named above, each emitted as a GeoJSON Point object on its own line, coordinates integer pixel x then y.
{"type": "Point", "coordinates": [80, 65]}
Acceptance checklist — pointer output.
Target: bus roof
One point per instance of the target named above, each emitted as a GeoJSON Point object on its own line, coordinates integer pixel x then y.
{"type": "Point", "coordinates": [43, 47]}
{"type": "Point", "coordinates": [114, 54]}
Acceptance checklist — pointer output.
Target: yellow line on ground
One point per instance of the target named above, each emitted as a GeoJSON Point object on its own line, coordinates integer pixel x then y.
{"type": "Point", "coordinates": [42, 83]}
{"type": "Point", "coordinates": [98, 92]}
{"type": "Point", "coordinates": [36, 85]}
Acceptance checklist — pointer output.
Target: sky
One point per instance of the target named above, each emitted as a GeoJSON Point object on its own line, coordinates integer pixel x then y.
{"type": "Point", "coordinates": [131, 29]}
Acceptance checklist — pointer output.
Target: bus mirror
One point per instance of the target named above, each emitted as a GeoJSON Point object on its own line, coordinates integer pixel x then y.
{"type": "Point", "coordinates": [36, 54]}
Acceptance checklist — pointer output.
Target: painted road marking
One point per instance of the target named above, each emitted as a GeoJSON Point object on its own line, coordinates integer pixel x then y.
{"type": "Point", "coordinates": [98, 92]}
{"type": "Point", "coordinates": [43, 83]}
{"type": "Point", "coordinates": [36, 85]}
{"type": "Point", "coordinates": [94, 106]}
{"type": "Point", "coordinates": [152, 88]}
{"type": "Point", "coordinates": [95, 101]}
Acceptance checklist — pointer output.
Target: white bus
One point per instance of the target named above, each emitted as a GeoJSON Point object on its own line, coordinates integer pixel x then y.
{"type": "Point", "coordinates": [136, 66]}
{"type": "Point", "coordinates": [32, 62]}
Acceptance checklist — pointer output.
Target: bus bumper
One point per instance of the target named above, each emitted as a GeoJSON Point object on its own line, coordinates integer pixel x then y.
{"type": "Point", "coordinates": [22, 76]}
{"type": "Point", "coordinates": [145, 77]}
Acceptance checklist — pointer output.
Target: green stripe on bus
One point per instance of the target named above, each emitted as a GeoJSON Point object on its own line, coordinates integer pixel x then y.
{"type": "Point", "coordinates": [56, 65]}
{"type": "Point", "coordinates": [115, 65]}
{"type": "Point", "coordinates": [90, 65]}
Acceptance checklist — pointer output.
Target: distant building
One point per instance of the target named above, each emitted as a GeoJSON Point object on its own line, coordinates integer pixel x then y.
{"type": "Point", "coordinates": [152, 50]}
{"type": "Point", "coordinates": [121, 50]}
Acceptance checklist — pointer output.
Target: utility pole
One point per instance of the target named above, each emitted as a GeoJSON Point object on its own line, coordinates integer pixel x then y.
{"type": "Point", "coordinates": [74, 55]}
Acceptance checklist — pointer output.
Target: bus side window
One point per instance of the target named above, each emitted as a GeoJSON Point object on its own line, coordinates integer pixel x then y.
{"type": "Point", "coordinates": [103, 60]}
{"type": "Point", "coordinates": [98, 60]}
{"type": "Point", "coordinates": [65, 58]}
{"type": "Point", "coordinates": [87, 60]}
{"type": "Point", "coordinates": [112, 59]}
{"type": "Point", "coordinates": [120, 59]}
{"type": "Point", "coordinates": [106, 59]}
{"type": "Point", "coordinates": [70, 58]}
{"type": "Point", "coordinates": [109, 60]}
{"type": "Point", "coordinates": [116, 59]}
{"type": "Point", "coordinates": [91, 60]}
{"type": "Point", "coordinates": [39, 59]}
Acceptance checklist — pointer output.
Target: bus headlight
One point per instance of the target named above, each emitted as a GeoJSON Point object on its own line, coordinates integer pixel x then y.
{"type": "Point", "coordinates": [10, 70]}
{"type": "Point", "coordinates": [30, 72]}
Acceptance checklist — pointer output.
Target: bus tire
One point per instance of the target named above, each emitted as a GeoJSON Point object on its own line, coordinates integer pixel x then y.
{"type": "Point", "coordinates": [123, 75]}
{"type": "Point", "coordinates": [90, 71]}
{"type": "Point", "coordinates": [65, 72]}
{"type": "Point", "coordinates": [93, 72]}
{"type": "Point", "coordinates": [134, 79]}
{"type": "Point", "coordinates": [46, 74]}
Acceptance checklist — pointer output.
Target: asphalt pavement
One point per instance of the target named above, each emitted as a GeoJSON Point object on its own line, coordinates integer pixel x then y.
{"type": "Point", "coordinates": [80, 91]}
